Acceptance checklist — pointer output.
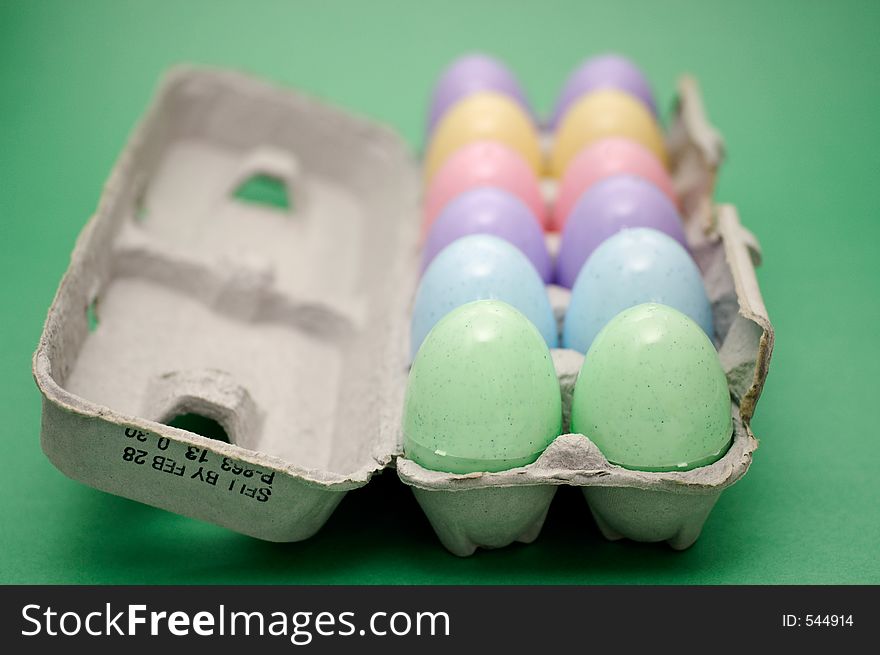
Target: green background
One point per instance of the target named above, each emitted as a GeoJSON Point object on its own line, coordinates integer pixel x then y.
{"type": "Point", "coordinates": [793, 87]}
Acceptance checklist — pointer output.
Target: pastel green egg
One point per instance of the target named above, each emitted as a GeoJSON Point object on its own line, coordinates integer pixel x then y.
{"type": "Point", "coordinates": [482, 393]}
{"type": "Point", "coordinates": [651, 393]}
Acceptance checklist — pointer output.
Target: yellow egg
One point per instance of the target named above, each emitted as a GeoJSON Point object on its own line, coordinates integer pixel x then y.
{"type": "Point", "coordinates": [602, 114]}
{"type": "Point", "coordinates": [483, 116]}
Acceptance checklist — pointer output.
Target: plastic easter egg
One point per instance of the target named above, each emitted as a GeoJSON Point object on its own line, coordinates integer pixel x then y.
{"type": "Point", "coordinates": [652, 394]}
{"type": "Point", "coordinates": [612, 156]}
{"type": "Point", "coordinates": [614, 204]}
{"type": "Point", "coordinates": [487, 210]}
{"type": "Point", "coordinates": [630, 268]}
{"type": "Point", "coordinates": [482, 393]}
{"type": "Point", "coordinates": [603, 72]}
{"type": "Point", "coordinates": [603, 114]}
{"type": "Point", "coordinates": [484, 163]}
{"type": "Point", "coordinates": [471, 74]}
{"type": "Point", "coordinates": [480, 267]}
{"type": "Point", "coordinates": [483, 116]}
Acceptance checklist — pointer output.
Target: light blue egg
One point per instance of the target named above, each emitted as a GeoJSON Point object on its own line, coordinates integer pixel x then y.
{"type": "Point", "coordinates": [480, 267]}
{"type": "Point", "coordinates": [632, 267]}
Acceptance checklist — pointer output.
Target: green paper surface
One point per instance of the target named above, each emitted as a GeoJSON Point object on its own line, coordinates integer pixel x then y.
{"type": "Point", "coordinates": [791, 85]}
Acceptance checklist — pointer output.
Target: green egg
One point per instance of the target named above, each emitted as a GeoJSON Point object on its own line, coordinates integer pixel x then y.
{"type": "Point", "coordinates": [651, 393]}
{"type": "Point", "coordinates": [482, 393]}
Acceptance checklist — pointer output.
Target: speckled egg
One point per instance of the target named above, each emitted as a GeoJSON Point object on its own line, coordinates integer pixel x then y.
{"type": "Point", "coordinates": [480, 267]}
{"type": "Point", "coordinates": [483, 163]}
{"type": "Point", "coordinates": [652, 394]}
{"type": "Point", "coordinates": [480, 117]}
{"type": "Point", "coordinates": [482, 393]}
{"type": "Point", "coordinates": [630, 268]}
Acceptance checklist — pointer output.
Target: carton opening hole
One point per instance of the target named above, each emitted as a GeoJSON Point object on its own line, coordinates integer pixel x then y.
{"type": "Point", "coordinates": [140, 209]}
{"type": "Point", "coordinates": [264, 190]}
{"type": "Point", "coordinates": [201, 425]}
{"type": "Point", "coordinates": [92, 315]}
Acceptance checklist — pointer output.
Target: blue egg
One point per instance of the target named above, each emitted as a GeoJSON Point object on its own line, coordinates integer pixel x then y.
{"type": "Point", "coordinates": [480, 267]}
{"type": "Point", "coordinates": [632, 267]}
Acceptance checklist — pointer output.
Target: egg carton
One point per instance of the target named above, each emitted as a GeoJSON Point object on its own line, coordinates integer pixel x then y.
{"type": "Point", "coordinates": [289, 327]}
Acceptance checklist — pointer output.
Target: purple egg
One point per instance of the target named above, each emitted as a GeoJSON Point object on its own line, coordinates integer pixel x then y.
{"type": "Point", "coordinates": [602, 72]}
{"type": "Point", "coordinates": [489, 210]}
{"type": "Point", "coordinates": [614, 204]}
{"type": "Point", "coordinates": [471, 74]}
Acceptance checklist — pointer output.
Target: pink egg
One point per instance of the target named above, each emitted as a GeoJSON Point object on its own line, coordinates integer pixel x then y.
{"type": "Point", "coordinates": [613, 156]}
{"type": "Point", "coordinates": [484, 163]}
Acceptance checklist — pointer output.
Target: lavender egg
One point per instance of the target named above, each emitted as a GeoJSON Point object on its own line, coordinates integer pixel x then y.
{"type": "Point", "coordinates": [606, 208]}
{"type": "Point", "coordinates": [471, 74]}
{"type": "Point", "coordinates": [604, 72]}
{"type": "Point", "coordinates": [489, 210]}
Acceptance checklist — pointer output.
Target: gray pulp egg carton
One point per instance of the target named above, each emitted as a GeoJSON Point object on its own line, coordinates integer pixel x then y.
{"type": "Point", "coordinates": [288, 326]}
{"type": "Point", "coordinates": [492, 510]}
